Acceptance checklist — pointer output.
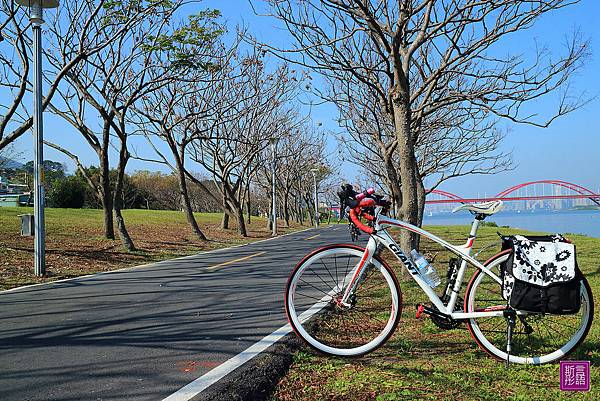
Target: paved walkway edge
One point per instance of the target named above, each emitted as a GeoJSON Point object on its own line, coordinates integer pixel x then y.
{"type": "Point", "coordinates": [251, 375]}
{"type": "Point", "coordinates": [258, 379]}
{"type": "Point", "coordinates": [150, 264]}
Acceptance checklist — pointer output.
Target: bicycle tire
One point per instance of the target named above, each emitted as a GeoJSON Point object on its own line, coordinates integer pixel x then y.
{"type": "Point", "coordinates": [316, 324]}
{"type": "Point", "coordinates": [536, 340]}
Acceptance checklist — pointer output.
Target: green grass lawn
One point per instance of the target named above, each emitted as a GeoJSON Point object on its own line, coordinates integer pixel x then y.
{"type": "Point", "coordinates": [422, 361]}
{"type": "Point", "coordinates": [76, 245]}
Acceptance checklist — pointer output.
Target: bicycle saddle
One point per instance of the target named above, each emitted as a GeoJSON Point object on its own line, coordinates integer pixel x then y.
{"type": "Point", "coordinates": [487, 208]}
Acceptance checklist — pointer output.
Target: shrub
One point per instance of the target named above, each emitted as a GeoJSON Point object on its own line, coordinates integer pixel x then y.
{"type": "Point", "coordinates": [69, 192]}
{"type": "Point", "coordinates": [489, 224]}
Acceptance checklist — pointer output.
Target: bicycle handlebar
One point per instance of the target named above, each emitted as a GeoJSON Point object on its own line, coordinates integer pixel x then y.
{"type": "Point", "coordinates": [356, 213]}
{"type": "Point", "coordinates": [361, 195]}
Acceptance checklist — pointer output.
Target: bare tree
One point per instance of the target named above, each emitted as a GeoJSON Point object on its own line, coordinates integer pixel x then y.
{"type": "Point", "coordinates": [454, 143]}
{"type": "Point", "coordinates": [139, 61]}
{"type": "Point", "coordinates": [190, 110]}
{"type": "Point", "coordinates": [83, 27]}
{"type": "Point", "coordinates": [422, 56]}
{"type": "Point", "coordinates": [9, 156]}
{"type": "Point", "coordinates": [252, 100]}
{"type": "Point", "coordinates": [170, 115]}
{"type": "Point", "coordinates": [79, 32]}
{"type": "Point", "coordinates": [300, 148]}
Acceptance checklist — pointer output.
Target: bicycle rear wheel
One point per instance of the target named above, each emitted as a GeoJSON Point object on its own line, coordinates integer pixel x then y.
{"type": "Point", "coordinates": [312, 301]}
{"type": "Point", "coordinates": [538, 338]}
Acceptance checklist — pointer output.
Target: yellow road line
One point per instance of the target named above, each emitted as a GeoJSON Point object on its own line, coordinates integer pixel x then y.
{"type": "Point", "coordinates": [215, 267]}
{"type": "Point", "coordinates": [314, 236]}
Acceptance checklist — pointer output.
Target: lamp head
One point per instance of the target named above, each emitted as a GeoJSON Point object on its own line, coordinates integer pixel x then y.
{"type": "Point", "coordinates": [43, 3]}
{"type": "Point", "coordinates": [36, 8]}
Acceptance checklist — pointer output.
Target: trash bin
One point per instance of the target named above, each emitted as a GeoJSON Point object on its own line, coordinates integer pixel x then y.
{"type": "Point", "coordinates": [27, 229]}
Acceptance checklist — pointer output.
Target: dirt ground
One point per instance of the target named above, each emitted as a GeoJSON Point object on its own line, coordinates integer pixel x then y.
{"type": "Point", "coordinates": [76, 245]}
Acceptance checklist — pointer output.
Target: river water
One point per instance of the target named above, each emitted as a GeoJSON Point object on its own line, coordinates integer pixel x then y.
{"type": "Point", "coordinates": [585, 222]}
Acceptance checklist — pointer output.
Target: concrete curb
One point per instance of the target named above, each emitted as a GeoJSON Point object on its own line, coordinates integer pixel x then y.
{"type": "Point", "coordinates": [257, 379]}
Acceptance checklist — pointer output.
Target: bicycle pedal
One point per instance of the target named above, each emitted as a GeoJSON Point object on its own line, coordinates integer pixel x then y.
{"type": "Point", "coordinates": [420, 311]}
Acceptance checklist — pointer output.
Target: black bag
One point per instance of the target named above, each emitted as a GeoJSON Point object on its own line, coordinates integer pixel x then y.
{"type": "Point", "coordinates": [541, 275]}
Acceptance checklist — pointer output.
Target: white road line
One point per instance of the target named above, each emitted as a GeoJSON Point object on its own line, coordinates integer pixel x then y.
{"type": "Point", "coordinates": [211, 377]}
{"type": "Point", "coordinates": [149, 264]}
{"type": "Point", "coordinates": [200, 384]}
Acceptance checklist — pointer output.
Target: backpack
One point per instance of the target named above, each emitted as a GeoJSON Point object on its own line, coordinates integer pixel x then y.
{"type": "Point", "coordinates": [541, 274]}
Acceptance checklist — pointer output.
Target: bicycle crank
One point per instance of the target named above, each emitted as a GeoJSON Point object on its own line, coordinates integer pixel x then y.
{"type": "Point", "coordinates": [436, 315]}
{"type": "Point", "coordinates": [445, 322]}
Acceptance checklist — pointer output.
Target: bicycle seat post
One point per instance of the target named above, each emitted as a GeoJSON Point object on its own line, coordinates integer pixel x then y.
{"type": "Point", "coordinates": [473, 233]}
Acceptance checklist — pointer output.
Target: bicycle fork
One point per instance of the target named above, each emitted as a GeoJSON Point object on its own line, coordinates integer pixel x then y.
{"type": "Point", "coordinates": [359, 271]}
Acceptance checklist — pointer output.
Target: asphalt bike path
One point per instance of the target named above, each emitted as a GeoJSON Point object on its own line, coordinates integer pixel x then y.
{"type": "Point", "coordinates": [144, 333]}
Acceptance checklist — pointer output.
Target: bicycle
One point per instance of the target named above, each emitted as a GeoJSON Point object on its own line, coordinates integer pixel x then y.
{"type": "Point", "coordinates": [354, 231]}
{"type": "Point", "coordinates": [345, 300]}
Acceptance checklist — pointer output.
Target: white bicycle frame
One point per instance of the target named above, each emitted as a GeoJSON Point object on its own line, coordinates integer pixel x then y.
{"type": "Point", "coordinates": [381, 236]}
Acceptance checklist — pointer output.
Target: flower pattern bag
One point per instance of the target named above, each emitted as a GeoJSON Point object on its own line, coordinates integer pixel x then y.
{"type": "Point", "coordinates": [541, 274]}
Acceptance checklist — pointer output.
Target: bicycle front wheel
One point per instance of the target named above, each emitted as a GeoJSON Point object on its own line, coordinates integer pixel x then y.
{"type": "Point", "coordinates": [314, 291]}
{"type": "Point", "coordinates": [537, 337]}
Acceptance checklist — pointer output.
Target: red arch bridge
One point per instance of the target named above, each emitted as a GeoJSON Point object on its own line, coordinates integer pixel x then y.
{"type": "Point", "coordinates": [533, 192]}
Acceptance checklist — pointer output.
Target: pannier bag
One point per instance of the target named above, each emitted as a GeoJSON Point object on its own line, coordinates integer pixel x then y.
{"type": "Point", "coordinates": [541, 274]}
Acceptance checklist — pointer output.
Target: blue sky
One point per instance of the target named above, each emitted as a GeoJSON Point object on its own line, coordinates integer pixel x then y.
{"type": "Point", "coordinates": [568, 150]}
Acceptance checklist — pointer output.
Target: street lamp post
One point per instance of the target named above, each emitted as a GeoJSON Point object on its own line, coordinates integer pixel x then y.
{"type": "Point", "coordinates": [273, 189]}
{"type": "Point", "coordinates": [314, 172]}
{"type": "Point", "coordinates": [36, 18]}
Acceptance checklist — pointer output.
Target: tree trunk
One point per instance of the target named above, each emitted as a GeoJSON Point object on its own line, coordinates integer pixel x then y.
{"type": "Point", "coordinates": [118, 199]}
{"type": "Point", "coordinates": [185, 196]}
{"type": "Point", "coordinates": [123, 233]}
{"type": "Point", "coordinates": [310, 209]}
{"type": "Point", "coordinates": [239, 214]}
{"type": "Point", "coordinates": [421, 202]}
{"type": "Point", "coordinates": [420, 199]}
{"type": "Point", "coordinates": [248, 212]}
{"type": "Point", "coordinates": [248, 206]}
{"type": "Point", "coordinates": [107, 207]}
{"type": "Point", "coordinates": [394, 183]}
{"type": "Point", "coordinates": [231, 200]}
{"type": "Point", "coordinates": [286, 209]}
{"type": "Point", "coordinates": [409, 209]}
{"type": "Point", "coordinates": [105, 194]}
{"type": "Point", "coordinates": [299, 211]}
{"type": "Point", "coordinates": [225, 220]}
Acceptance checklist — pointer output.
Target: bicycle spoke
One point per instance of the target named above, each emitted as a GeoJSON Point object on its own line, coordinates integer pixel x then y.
{"type": "Point", "coordinates": [316, 288]}
{"type": "Point", "coordinates": [328, 272]}
{"type": "Point", "coordinates": [308, 296]}
{"type": "Point", "coordinates": [324, 282]}
{"type": "Point", "coordinates": [337, 277]}
{"type": "Point", "coordinates": [536, 337]}
{"type": "Point", "coordinates": [364, 316]}
{"type": "Point", "coordinates": [346, 273]}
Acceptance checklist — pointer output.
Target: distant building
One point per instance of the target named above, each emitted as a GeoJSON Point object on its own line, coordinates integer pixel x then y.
{"type": "Point", "coordinates": [14, 194]}
{"type": "Point", "coordinates": [558, 204]}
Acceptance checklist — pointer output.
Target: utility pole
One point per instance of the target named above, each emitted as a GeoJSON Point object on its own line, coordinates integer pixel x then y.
{"type": "Point", "coordinates": [314, 172]}
{"type": "Point", "coordinates": [36, 8]}
{"type": "Point", "coordinates": [273, 189]}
